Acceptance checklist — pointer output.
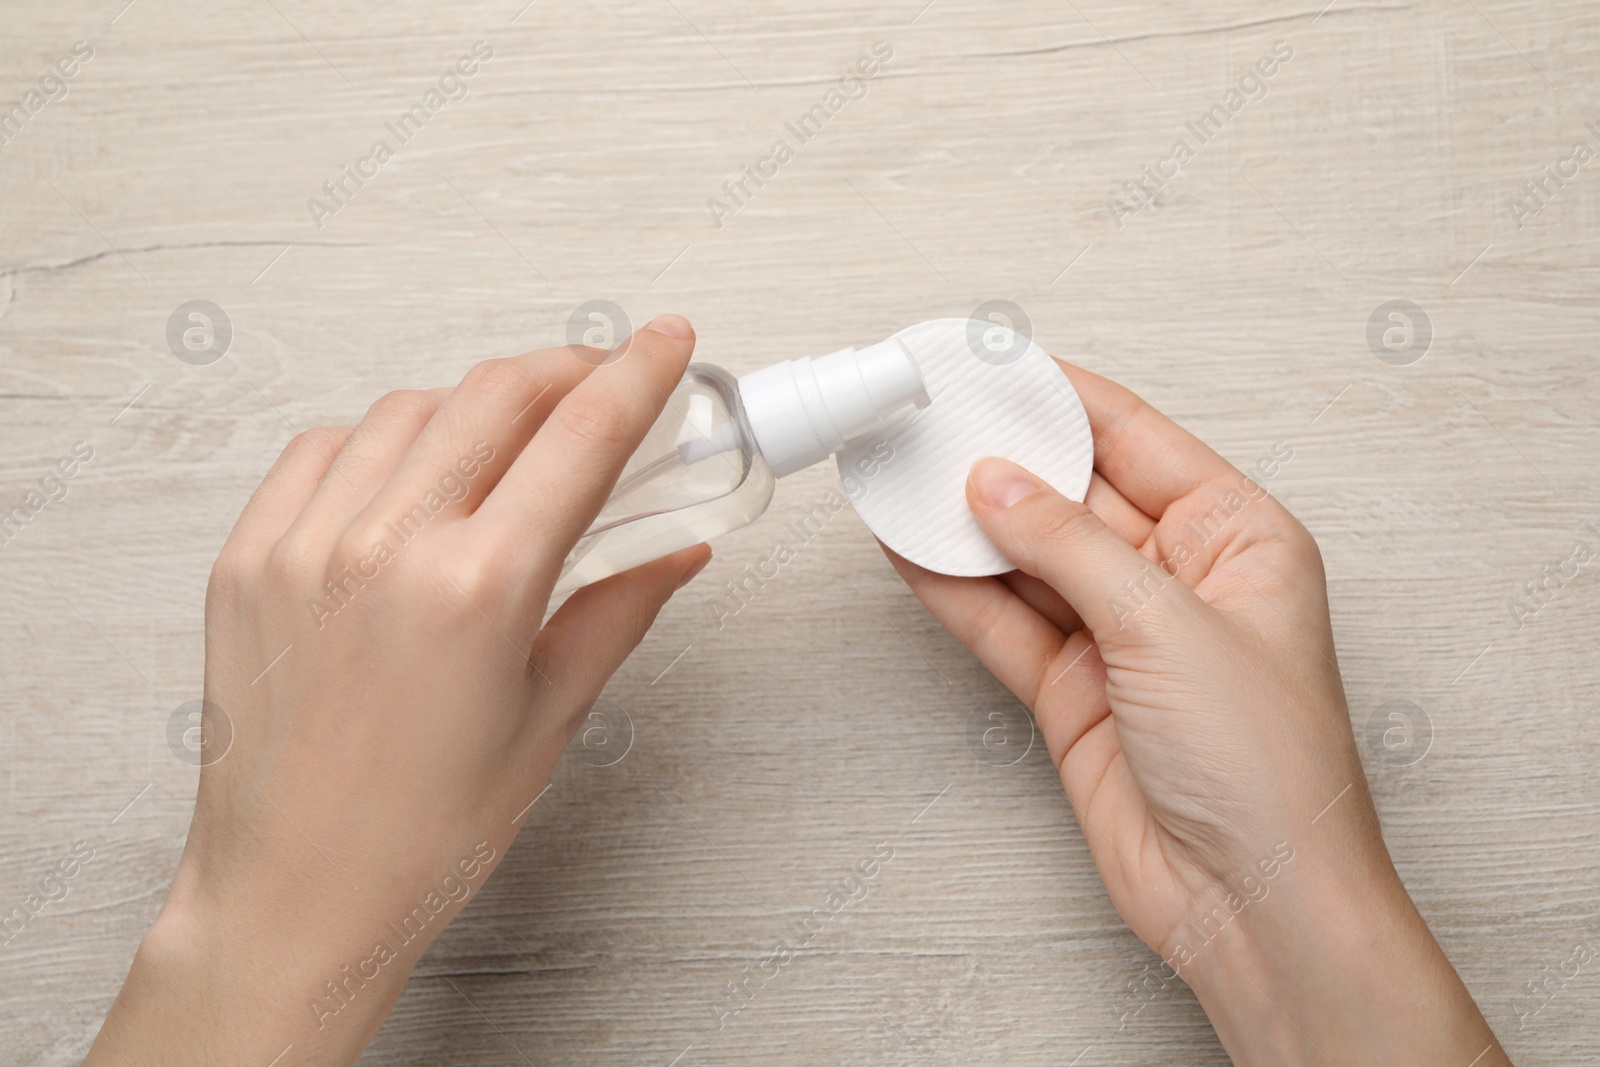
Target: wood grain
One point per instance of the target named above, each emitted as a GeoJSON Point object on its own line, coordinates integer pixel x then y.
{"type": "Point", "coordinates": [1379, 164]}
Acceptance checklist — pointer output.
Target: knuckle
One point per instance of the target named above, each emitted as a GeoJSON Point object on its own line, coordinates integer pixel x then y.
{"type": "Point", "coordinates": [468, 590]}
{"type": "Point", "coordinates": [356, 563]}
{"type": "Point", "coordinates": [230, 574]}
{"type": "Point", "coordinates": [1069, 526]}
{"type": "Point", "coordinates": [593, 419]}
{"type": "Point", "coordinates": [402, 405]}
{"type": "Point", "coordinates": [1277, 524]}
{"type": "Point", "coordinates": [589, 355]}
{"type": "Point", "coordinates": [356, 548]}
{"type": "Point", "coordinates": [987, 615]}
{"type": "Point", "coordinates": [324, 441]}
{"type": "Point", "coordinates": [1304, 552]}
{"type": "Point", "coordinates": [497, 378]}
{"type": "Point", "coordinates": [295, 560]}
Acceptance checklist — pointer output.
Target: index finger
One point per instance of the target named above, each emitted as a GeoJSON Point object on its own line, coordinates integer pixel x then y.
{"type": "Point", "coordinates": [1146, 456]}
{"type": "Point", "coordinates": [558, 484]}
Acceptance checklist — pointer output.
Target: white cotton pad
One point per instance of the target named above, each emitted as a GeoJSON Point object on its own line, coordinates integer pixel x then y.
{"type": "Point", "coordinates": [994, 393]}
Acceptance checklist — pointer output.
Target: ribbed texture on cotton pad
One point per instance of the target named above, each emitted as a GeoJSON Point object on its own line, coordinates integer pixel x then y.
{"type": "Point", "coordinates": [1025, 411]}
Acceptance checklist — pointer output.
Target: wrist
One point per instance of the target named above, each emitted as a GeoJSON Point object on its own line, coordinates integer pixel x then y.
{"type": "Point", "coordinates": [210, 985]}
{"type": "Point", "coordinates": [1336, 965]}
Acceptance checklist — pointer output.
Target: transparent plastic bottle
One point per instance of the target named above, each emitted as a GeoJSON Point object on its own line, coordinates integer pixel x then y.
{"type": "Point", "coordinates": [709, 463]}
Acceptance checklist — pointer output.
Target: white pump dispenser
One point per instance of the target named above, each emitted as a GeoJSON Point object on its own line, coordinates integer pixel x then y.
{"type": "Point", "coordinates": [707, 465]}
{"type": "Point", "coordinates": [804, 410]}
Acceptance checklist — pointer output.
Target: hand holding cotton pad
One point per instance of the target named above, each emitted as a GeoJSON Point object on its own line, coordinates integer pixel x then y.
{"type": "Point", "coordinates": [994, 393]}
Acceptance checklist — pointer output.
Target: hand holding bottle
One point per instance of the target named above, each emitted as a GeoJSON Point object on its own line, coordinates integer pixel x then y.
{"type": "Point", "coordinates": [1172, 637]}
{"type": "Point", "coordinates": [374, 639]}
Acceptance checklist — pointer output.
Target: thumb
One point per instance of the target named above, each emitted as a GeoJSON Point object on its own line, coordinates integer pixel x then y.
{"type": "Point", "coordinates": [1063, 543]}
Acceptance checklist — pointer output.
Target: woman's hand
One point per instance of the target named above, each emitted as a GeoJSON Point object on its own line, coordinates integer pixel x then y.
{"type": "Point", "coordinates": [1172, 638]}
{"type": "Point", "coordinates": [373, 641]}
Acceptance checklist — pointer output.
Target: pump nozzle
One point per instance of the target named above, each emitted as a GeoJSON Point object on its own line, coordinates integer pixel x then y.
{"type": "Point", "coordinates": [802, 411]}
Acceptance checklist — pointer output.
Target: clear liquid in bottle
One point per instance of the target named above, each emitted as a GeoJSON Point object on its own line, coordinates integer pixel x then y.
{"type": "Point", "coordinates": [696, 475]}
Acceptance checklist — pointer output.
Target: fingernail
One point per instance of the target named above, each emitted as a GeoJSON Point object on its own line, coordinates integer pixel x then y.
{"type": "Point", "coordinates": [1000, 483]}
{"type": "Point", "coordinates": [673, 326]}
{"type": "Point", "coordinates": [689, 575]}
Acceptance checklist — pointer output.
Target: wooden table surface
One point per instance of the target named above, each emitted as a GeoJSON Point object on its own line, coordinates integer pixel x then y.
{"type": "Point", "coordinates": [1385, 159]}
